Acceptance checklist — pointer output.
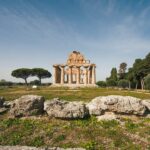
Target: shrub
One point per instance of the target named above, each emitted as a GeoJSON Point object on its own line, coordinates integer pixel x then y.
{"type": "Point", "coordinates": [5, 83]}
{"type": "Point", "coordinates": [133, 84]}
{"type": "Point", "coordinates": [147, 82]}
{"type": "Point", "coordinates": [123, 83]}
{"type": "Point", "coordinates": [35, 82]}
{"type": "Point", "coordinates": [111, 82]}
{"type": "Point", "coordinates": [101, 83]}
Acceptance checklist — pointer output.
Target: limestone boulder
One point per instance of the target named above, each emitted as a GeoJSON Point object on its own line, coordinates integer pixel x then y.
{"type": "Point", "coordinates": [1, 101]}
{"type": "Point", "coordinates": [35, 148]}
{"type": "Point", "coordinates": [66, 110]}
{"type": "Point", "coordinates": [19, 148]}
{"type": "Point", "coordinates": [146, 103]}
{"type": "Point", "coordinates": [107, 117]}
{"type": "Point", "coordinates": [7, 104]}
{"type": "Point", "coordinates": [27, 105]}
{"type": "Point", "coordinates": [117, 104]}
{"type": "Point", "coordinates": [3, 110]}
{"type": "Point", "coordinates": [148, 115]}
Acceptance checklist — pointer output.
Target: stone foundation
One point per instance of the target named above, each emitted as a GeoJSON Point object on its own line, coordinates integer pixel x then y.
{"type": "Point", "coordinates": [74, 85]}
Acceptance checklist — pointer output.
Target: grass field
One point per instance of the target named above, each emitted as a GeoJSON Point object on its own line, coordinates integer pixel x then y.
{"type": "Point", "coordinates": [80, 94]}
{"type": "Point", "coordinates": [132, 133]}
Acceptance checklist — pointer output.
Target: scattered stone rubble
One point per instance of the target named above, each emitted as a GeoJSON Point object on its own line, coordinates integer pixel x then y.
{"type": "Point", "coordinates": [103, 107]}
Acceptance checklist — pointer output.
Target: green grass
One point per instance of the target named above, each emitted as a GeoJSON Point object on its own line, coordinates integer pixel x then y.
{"type": "Point", "coordinates": [86, 133]}
{"type": "Point", "coordinates": [84, 94]}
{"type": "Point", "coordinates": [131, 126]}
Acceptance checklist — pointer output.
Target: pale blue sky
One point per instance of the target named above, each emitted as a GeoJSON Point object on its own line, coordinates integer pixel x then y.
{"type": "Point", "coordinates": [40, 33]}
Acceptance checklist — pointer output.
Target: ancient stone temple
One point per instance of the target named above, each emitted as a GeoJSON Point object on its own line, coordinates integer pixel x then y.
{"type": "Point", "coordinates": [76, 72]}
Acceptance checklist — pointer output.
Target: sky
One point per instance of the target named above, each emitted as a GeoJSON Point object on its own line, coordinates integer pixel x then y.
{"type": "Point", "coordinates": [40, 33]}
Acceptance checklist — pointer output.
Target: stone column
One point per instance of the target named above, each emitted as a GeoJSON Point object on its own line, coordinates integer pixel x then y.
{"type": "Point", "coordinates": [62, 74]}
{"type": "Point", "coordinates": [89, 73]}
{"type": "Point", "coordinates": [93, 75]}
{"type": "Point", "coordinates": [70, 75]}
{"type": "Point", "coordinates": [54, 75]}
{"type": "Point", "coordinates": [78, 75]}
{"type": "Point", "coordinates": [67, 78]}
{"type": "Point", "coordinates": [86, 76]}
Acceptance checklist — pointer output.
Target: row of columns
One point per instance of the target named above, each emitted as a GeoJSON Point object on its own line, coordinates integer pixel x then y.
{"type": "Point", "coordinates": [87, 76]}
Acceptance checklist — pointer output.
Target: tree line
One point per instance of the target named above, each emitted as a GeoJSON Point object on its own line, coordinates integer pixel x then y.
{"type": "Point", "coordinates": [136, 77]}
{"type": "Point", "coordinates": [25, 73]}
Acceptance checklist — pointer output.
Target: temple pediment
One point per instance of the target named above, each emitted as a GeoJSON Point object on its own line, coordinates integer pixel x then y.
{"type": "Point", "coordinates": [76, 58]}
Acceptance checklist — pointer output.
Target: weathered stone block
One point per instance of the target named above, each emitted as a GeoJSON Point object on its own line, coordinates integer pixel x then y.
{"type": "Point", "coordinates": [28, 105]}
{"type": "Point", "coordinates": [65, 110]}
{"type": "Point", "coordinates": [117, 104]}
